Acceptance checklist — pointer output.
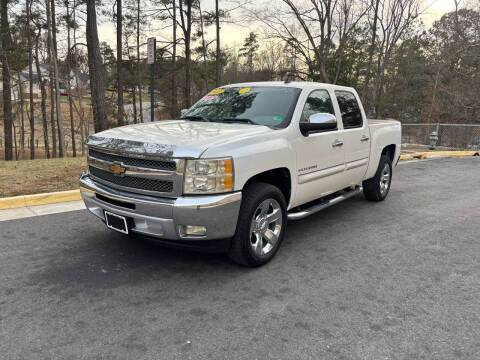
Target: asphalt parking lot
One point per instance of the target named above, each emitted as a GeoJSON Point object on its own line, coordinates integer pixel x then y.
{"type": "Point", "coordinates": [393, 280]}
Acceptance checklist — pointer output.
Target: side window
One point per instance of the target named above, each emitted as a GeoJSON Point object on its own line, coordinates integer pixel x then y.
{"type": "Point", "coordinates": [318, 101]}
{"type": "Point", "coordinates": [351, 114]}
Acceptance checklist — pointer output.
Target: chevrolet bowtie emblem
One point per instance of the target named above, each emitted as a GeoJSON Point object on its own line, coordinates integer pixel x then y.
{"type": "Point", "coordinates": [117, 169]}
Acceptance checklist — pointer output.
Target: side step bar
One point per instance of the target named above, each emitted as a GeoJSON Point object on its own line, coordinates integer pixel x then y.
{"type": "Point", "coordinates": [297, 215]}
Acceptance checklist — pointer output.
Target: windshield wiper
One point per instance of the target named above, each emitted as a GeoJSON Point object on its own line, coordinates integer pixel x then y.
{"type": "Point", "coordinates": [240, 120]}
{"type": "Point", "coordinates": [195, 118]}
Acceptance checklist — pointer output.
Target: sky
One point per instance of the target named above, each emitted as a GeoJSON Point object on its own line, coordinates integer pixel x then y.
{"type": "Point", "coordinates": [232, 35]}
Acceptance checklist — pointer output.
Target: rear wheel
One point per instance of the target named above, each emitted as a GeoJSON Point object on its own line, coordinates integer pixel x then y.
{"type": "Point", "coordinates": [261, 225]}
{"type": "Point", "coordinates": [377, 188]}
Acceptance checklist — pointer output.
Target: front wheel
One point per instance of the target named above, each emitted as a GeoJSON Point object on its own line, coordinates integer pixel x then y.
{"type": "Point", "coordinates": [261, 225]}
{"type": "Point", "coordinates": [377, 188]}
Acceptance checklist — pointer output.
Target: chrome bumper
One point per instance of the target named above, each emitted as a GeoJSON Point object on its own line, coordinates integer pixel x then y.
{"type": "Point", "coordinates": [161, 217]}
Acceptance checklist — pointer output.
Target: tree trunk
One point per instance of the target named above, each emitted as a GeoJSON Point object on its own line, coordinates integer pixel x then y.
{"type": "Point", "coordinates": [188, 73]}
{"type": "Point", "coordinates": [22, 112]}
{"type": "Point", "coordinates": [139, 80]}
{"type": "Point", "coordinates": [95, 67]}
{"type": "Point", "coordinates": [174, 106]}
{"type": "Point", "coordinates": [7, 104]}
{"type": "Point", "coordinates": [50, 76]}
{"type": "Point", "coordinates": [371, 49]}
{"type": "Point", "coordinates": [15, 140]}
{"type": "Point", "coordinates": [204, 49]}
{"type": "Point", "coordinates": [134, 96]}
{"type": "Point", "coordinates": [217, 56]}
{"type": "Point", "coordinates": [53, 48]}
{"type": "Point", "coordinates": [187, 32]}
{"type": "Point", "coordinates": [30, 75]}
{"type": "Point", "coordinates": [69, 85]}
{"type": "Point", "coordinates": [121, 110]}
{"type": "Point", "coordinates": [44, 98]}
{"type": "Point", "coordinates": [77, 82]}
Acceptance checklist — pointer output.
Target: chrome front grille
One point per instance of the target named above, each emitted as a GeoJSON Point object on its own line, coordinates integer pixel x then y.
{"type": "Point", "coordinates": [132, 181]}
{"type": "Point", "coordinates": [136, 162]}
{"type": "Point", "coordinates": [136, 173]}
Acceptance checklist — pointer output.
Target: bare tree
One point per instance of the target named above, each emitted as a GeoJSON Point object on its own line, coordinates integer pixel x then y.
{"type": "Point", "coordinates": [217, 52]}
{"type": "Point", "coordinates": [69, 85]}
{"type": "Point", "coordinates": [28, 5]}
{"type": "Point", "coordinates": [204, 49]}
{"type": "Point", "coordinates": [139, 78]}
{"type": "Point", "coordinates": [174, 106]}
{"type": "Point", "coordinates": [53, 49]}
{"type": "Point", "coordinates": [7, 105]}
{"type": "Point", "coordinates": [22, 111]}
{"type": "Point", "coordinates": [394, 18]}
{"type": "Point", "coordinates": [375, 4]}
{"type": "Point", "coordinates": [319, 25]}
{"type": "Point", "coordinates": [186, 22]}
{"type": "Point", "coordinates": [83, 123]}
{"type": "Point", "coordinates": [51, 80]}
{"type": "Point", "coordinates": [43, 105]}
{"type": "Point", "coordinates": [121, 110]}
{"type": "Point", "coordinates": [97, 82]}
{"type": "Point", "coordinates": [323, 12]}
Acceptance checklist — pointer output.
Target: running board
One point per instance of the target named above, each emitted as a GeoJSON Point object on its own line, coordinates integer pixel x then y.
{"type": "Point", "coordinates": [297, 215]}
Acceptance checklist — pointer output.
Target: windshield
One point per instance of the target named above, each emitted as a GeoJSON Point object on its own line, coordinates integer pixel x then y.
{"type": "Point", "coordinates": [256, 105]}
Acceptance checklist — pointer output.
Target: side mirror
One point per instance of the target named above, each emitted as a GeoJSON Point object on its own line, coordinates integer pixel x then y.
{"type": "Point", "coordinates": [318, 122]}
{"type": "Point", "coordinates": [183, 112]}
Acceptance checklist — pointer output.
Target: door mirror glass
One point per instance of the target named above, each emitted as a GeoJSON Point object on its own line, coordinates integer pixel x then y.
{"type": "Point", "coordinates": [319, 122]}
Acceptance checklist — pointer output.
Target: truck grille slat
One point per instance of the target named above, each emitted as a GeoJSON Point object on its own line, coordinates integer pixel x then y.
{"type": "Point", "coordinates": [132, 181]}
{"type": "Point", "coordinates": [131, 161]}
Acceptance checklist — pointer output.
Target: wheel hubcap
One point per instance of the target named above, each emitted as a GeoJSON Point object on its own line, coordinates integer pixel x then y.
{"type": "Point", "coordinates": [385, 179]}
{"type": "Point", "coordinates": [265, 227]}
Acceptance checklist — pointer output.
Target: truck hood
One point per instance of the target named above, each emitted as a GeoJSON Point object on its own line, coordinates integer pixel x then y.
{"type": "Point", "coordinates": [173, 138]}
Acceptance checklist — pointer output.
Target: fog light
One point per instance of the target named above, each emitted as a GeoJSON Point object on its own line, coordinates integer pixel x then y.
{"type": "Point", "coordinates": [192, 230]}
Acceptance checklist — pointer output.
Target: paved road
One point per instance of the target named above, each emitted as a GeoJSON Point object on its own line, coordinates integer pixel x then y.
{"type": "Point", "coordinates": [392, 280]}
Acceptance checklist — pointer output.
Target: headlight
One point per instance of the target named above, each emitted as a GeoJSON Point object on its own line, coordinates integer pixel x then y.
{"type": "Point", "coordinates": [208, 176]}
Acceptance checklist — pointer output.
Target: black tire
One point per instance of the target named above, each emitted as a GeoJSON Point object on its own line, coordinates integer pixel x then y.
{"type": "Point", "coordinates": [241, 250]}
{"type": "Point", "coordinates": [372, 188]}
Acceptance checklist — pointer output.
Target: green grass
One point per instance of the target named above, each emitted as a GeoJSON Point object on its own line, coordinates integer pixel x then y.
{"type": "Point", "coordinates": [39, 176]}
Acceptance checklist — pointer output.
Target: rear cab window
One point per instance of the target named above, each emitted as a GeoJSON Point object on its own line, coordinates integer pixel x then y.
{"type": "Point", "coordinates": [349, 109]}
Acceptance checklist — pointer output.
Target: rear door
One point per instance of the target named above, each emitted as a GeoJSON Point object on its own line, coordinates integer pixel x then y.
{"type": "Point", "coordinates": [320, 156]}
{"type": "Point", "coordinates": [356, 136]}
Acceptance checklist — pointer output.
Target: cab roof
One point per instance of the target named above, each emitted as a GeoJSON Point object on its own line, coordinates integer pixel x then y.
{"type": "Point", "coordinates": [294, 84]}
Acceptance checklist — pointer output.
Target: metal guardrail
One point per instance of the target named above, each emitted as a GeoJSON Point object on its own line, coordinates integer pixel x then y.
{"type": "Point", "coordinates": [441, 136]}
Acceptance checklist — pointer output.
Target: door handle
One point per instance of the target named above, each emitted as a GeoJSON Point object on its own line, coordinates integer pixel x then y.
{"type": "Point", "coordinates": [364, 138]}
{"type": "Point", "coordinates": [337, 143]}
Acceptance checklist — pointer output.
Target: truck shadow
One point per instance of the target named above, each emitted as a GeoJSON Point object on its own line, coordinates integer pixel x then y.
{"type": "Point", "coordinates": [96, 259]}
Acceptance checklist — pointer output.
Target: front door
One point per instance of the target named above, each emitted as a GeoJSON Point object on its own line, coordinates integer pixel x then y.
{"type": "Point", "coordinates": [321, 155]}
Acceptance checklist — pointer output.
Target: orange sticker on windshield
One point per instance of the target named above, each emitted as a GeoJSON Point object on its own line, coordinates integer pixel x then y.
{"type": "Point", "coordinates": [216, 91]}
{"type": "Point", "coordinates": [244, 90]}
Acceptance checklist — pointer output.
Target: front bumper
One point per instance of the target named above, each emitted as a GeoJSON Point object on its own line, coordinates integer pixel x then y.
{"type": "Point", "coordinates": [161, 217]}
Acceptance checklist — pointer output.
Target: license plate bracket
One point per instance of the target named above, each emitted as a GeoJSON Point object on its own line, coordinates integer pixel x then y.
{"type": "Point", "coordinates": [116, 222]}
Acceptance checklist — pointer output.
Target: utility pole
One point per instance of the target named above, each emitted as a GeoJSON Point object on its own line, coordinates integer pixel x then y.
{"type": "Point", "coordinates": [151, 44]}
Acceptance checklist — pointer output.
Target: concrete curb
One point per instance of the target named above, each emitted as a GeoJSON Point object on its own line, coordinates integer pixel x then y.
{"type": "Point", "coordinates": [72, 195]}
{"type": "Point", "coordinates": [39, 199]}
{"type": "Point", "coordinates": [423, 155]}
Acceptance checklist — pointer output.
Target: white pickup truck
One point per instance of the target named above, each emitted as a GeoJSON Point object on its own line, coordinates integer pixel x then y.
{"type": "Point", "coordinates": [238, 164]}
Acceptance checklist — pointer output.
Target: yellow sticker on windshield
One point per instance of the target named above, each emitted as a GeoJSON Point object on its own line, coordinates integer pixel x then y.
{"type": "Point", "coordinates": [244, 90]}
{"type": "Point", "coordinates": [216, 91]}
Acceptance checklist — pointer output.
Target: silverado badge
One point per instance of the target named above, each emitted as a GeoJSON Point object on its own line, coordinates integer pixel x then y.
{"type": "Point", "coordinates": [117, 169]}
